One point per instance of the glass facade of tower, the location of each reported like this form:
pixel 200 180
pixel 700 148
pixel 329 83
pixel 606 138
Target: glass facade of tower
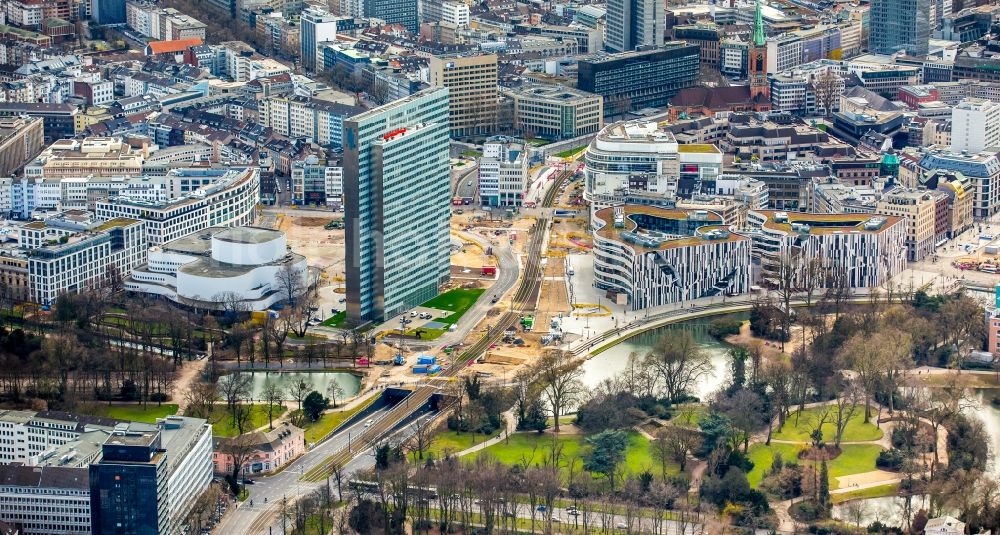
pixel 900 25
pixel 396 187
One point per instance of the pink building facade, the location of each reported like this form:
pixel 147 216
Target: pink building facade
pixel 274 449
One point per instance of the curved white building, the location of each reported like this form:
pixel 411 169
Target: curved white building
pixel 639 156
pixel 210 197
pixel 199 269
pixel 652 256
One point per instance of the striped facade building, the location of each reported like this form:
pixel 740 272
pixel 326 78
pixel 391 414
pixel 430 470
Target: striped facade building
pixel 650 256
pixel 862 250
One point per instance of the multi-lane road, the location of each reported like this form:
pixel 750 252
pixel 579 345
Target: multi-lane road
pixel 313 468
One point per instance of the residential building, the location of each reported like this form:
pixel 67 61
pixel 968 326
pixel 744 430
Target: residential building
pixel 20 140
pixel 632 24
pixel 271 451
pixel 641 79
pixel 80 260
pixel 316 26
pixel 503 173
pixel 402 12
pixel 397 188
pixel 50 500
pixel 47 488
pixel 752 139
pixel 556 112
pixel 211 267
pixel 983 169
pixel 946 525
pixel 59 120
pixel 107 11
pixel 318 182
pixel 318 121
pixel 707 36
pixel 859 250
pixel 917 210
pixel 975 125
pixel 648 256
pixel 472 91
pixel 228 200
pixel 900 25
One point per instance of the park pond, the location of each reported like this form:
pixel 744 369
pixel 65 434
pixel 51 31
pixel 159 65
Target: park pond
pixel 614 359
pixel 349 383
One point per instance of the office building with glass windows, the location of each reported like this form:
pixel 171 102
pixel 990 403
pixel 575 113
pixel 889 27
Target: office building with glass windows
pixel 900 25
pixel 635 80
pixel 396 188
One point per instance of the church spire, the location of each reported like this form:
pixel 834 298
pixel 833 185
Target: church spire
pixel 758 27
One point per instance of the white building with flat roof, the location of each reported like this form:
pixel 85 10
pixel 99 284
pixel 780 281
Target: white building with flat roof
pixel 975 125
pixel 208 269
pixel 45 487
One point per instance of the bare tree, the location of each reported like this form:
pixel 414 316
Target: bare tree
pixel 291 281
pixel 239 449
pixel 678 363
pixel 560 377
pixel 828 87
pixel 234 388
pixel 272 395
pixel 674 443
pixel 298 390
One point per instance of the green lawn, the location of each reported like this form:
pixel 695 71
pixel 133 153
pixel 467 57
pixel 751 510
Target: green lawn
pixel 856 430
pixel 457 301
pixel 222 422
pixel 688 414
pixel 571 152
pixel 336 320
pixel 133 413
pixel 468 153
pixel 316 431
pixel 762 457
pixel 853 459
pixel 535 449
pixel 454 442
pixel 889 489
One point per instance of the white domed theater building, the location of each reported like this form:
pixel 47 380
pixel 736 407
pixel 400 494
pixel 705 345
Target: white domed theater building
pixel 211 268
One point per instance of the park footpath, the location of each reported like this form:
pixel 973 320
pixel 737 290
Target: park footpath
pixel 853 482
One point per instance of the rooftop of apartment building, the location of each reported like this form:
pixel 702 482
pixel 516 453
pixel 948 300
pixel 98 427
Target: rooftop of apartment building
pixel 820 224
pixel 11 126
pixel 637 131
pixel 44 477
pixel 559 93
pixel 619 225
pixel 600 57
pixel 224 178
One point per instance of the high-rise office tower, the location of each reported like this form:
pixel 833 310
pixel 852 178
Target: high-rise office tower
pixel 634 23
pixel 402 12
pixel 317 26
pixel 900 25
pixel 396 188
pixel 128 487
pixel 472 91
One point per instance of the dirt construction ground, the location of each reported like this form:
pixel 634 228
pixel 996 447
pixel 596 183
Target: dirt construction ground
pixel 322 248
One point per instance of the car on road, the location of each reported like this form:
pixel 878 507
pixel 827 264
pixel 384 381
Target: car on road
pixel 540 509
pixel 621 525
pixel 343 299
pixel 369 422
pixel 248 482
pixel 556 519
